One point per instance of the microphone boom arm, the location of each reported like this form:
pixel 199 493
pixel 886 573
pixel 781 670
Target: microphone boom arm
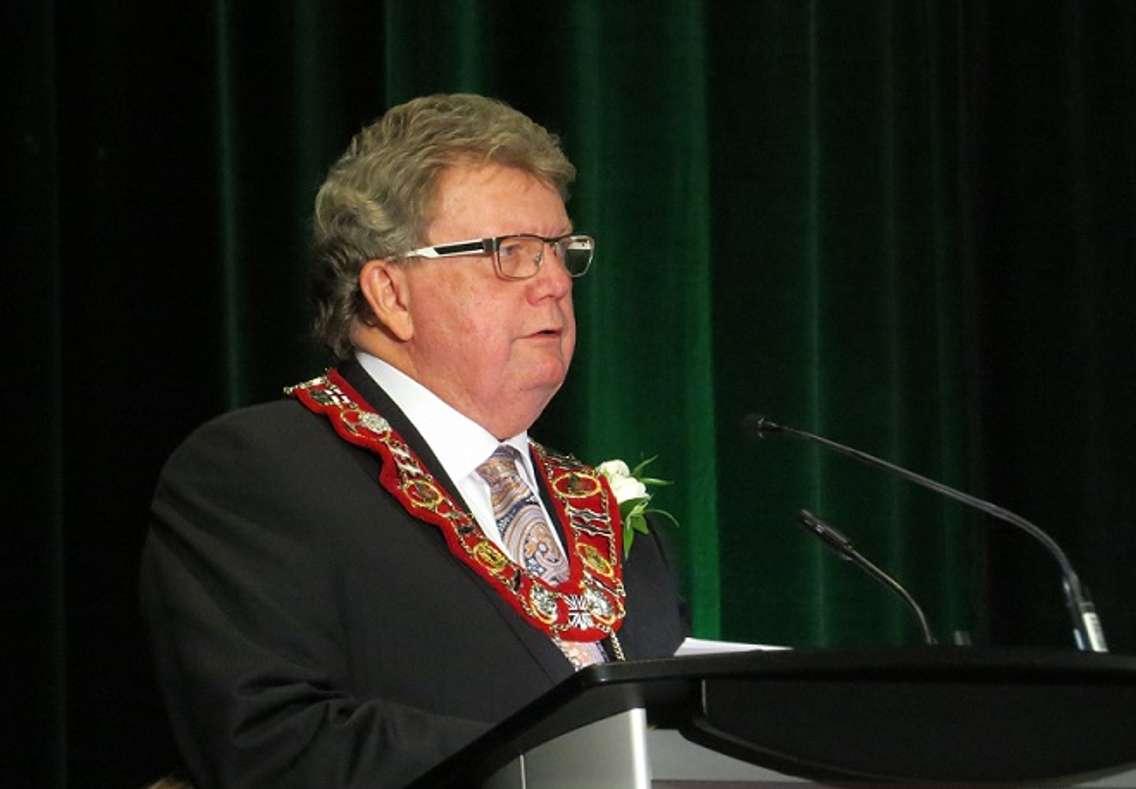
pixel 843 546
pixel 1087 629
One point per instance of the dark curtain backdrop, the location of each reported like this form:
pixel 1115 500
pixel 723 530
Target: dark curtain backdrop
pixel 908 225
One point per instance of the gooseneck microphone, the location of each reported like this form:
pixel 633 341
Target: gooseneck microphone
pixel 843 547
pixel 1087 630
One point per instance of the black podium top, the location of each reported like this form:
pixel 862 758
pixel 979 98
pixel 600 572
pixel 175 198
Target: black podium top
pixel 927 714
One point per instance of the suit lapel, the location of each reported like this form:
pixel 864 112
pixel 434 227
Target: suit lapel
pixel 543 651
pixel 378 400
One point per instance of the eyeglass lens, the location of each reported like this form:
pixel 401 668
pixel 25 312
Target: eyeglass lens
pixel 520 256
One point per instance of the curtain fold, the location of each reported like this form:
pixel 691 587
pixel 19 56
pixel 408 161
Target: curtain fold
pixel 32 581
pixel 642 383
pixel 231 253
pixel 909 226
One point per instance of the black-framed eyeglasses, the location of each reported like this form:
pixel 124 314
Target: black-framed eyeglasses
pixel 519 256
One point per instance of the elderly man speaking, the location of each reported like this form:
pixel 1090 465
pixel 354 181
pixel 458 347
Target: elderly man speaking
pixel 346 586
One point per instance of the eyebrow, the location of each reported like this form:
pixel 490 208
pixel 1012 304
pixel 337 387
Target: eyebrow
pixel 571 231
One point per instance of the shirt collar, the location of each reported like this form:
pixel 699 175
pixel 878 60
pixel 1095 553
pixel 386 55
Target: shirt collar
pixel 459 443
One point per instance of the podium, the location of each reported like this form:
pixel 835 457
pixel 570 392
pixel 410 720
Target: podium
pixel 925 715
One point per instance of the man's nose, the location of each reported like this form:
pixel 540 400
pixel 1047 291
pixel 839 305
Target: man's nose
pixel 552 278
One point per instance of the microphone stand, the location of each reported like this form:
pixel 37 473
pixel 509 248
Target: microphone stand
pixel 1087 630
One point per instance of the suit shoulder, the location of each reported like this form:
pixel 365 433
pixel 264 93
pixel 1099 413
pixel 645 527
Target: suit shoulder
pixel 262 421
pixel 276 431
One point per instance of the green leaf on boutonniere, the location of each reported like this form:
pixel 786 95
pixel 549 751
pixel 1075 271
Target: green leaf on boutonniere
pixel 635 472
pixel 633 510
pixel 632 505
pixel 665 514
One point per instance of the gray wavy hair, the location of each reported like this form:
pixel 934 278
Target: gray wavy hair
pixel 377 199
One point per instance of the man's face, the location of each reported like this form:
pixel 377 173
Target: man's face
pixel 497 350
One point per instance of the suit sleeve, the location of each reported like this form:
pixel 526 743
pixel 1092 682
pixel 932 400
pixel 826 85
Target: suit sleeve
pixel 241 589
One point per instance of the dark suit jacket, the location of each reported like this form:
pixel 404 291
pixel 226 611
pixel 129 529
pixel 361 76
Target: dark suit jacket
pixel 308 632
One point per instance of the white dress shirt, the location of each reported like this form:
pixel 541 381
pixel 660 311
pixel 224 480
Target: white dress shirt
pixel 459 443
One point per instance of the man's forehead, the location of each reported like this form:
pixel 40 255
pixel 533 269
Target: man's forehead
pixel 487 198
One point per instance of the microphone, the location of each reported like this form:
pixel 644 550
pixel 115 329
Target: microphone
pixel 1087 631
pixel 843 547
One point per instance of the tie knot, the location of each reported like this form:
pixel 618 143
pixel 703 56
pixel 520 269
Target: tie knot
pixel 502 464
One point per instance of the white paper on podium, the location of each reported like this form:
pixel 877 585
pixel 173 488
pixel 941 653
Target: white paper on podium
pixel 705 646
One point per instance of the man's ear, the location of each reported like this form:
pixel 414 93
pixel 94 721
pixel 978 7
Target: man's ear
pixel 384 286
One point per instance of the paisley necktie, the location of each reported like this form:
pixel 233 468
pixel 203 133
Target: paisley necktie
pixel 529 539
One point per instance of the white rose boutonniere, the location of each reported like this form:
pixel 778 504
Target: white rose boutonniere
pixel 629 487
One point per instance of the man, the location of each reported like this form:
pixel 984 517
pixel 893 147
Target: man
pixel 346 586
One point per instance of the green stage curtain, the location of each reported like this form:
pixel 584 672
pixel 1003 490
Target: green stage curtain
pixel 906 225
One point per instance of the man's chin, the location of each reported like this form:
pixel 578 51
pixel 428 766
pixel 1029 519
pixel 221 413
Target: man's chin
pixel 517 412
pixel 546 371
